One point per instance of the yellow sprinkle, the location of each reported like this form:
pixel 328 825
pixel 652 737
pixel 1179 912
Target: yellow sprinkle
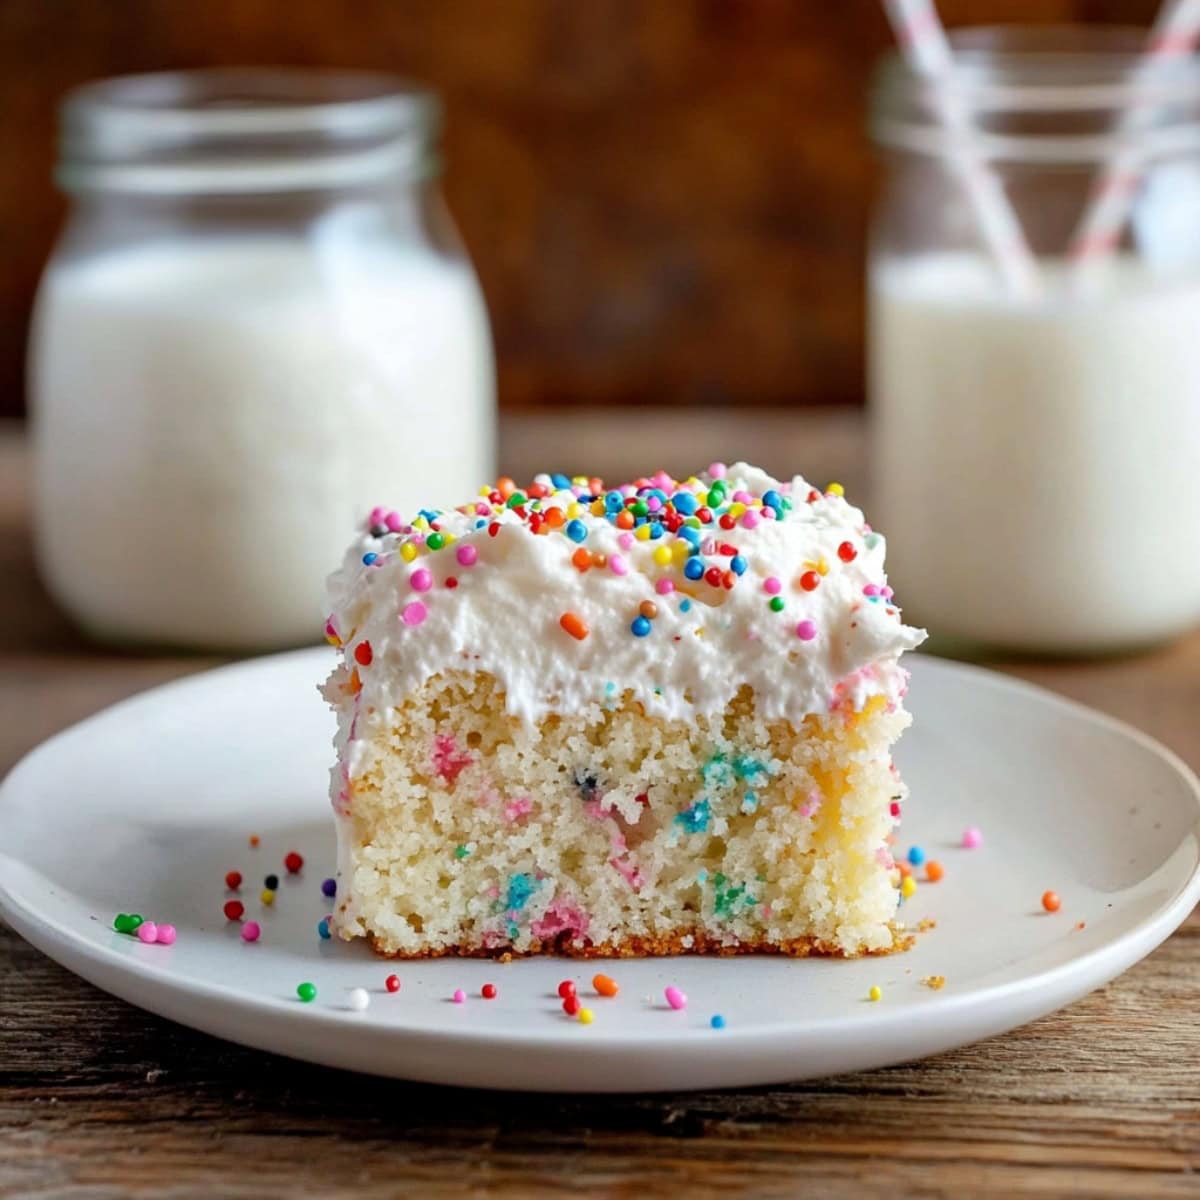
pixel 267 896
pixel 835 489
pixel 333 639
pixel 580 479
pixel 484 491
pixel 662 555
pixel 586 1016
pixel 736 509
pixel 574 509
pixel 408 552
pixel 876 993
pixel 447 538
pixel 420 523
pixel 680 549
pixel 597 508
pixel 642 533
pixel 908 886
pixel 822 566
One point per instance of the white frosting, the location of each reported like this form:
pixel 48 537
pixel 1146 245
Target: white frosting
pixel 704 644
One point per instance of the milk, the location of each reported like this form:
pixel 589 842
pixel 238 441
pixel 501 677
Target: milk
pixel 1037 465
pixel 212 418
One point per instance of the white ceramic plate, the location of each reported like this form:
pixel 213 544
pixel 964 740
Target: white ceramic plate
pixel 145 807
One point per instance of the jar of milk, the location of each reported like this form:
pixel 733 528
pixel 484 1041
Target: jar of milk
pixel 259 323
pixel 1036 406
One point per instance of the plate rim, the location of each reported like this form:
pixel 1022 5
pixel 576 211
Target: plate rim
pixel 69 949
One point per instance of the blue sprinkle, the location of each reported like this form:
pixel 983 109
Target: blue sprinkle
pixel 718 1021
pixel 329 887
pixel 656 531
pixel 685 503
pixel 772 499
pixel 614 502
pixel 702 875
pixel 871 541
pixel 323 929
pixel 693 568
pixel 737 564
pixel 640 627
pixel 520 888
pixel 480 522
pixel 685 606
pixel 916 856
pixel 560 481
pixel 689 534
pixel 430 514
pixel 369 558
pixel 695 818
pixel 576 530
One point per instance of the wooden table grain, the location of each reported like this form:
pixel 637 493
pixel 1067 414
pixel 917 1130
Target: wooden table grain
pixel 100 1100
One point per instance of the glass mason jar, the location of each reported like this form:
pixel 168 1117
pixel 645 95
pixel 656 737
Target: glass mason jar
pixel 1036 418
pixel 258 323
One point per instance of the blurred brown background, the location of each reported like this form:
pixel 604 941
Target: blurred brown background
pixel 666 199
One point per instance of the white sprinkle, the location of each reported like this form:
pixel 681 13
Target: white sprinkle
pixel 358 999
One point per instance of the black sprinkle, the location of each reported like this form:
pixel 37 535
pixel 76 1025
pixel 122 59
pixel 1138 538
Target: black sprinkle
pixel 271 882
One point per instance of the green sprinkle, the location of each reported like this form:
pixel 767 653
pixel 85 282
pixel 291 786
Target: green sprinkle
pixel 127 922
pixel 640 508
pixel 307 992
pixel 435 541
pixel 461 852
pixel 776 604
pixel 516 500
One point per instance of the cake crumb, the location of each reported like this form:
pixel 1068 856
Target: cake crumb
pixel 926 924
pixel 935 983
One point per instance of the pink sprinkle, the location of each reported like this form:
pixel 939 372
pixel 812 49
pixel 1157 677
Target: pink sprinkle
pixel 625 541
pixel 653 503
pixel 717 470
pixel 467 555
pixel 617 565
pixel 377 515
pixel 420 580
pixel 414 613
pixel 972 838
pixel 147 932
pixel 329 629
pixel 886 592
pixel 251 931
pixel 806 630
pixel 675 998
pixel 742 497
pixel 894 808
pixel 514 810
pixel 750 519
pixel 460 997
pixel 664 587
pixel 871 589
pixel 772 586
pixel 394 522
pixel 481 509
pixel 166 935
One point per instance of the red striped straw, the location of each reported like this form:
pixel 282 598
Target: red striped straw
pixel 926 49
pixel 1173 36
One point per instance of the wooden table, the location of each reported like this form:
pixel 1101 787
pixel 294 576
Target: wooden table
pixel 99 1100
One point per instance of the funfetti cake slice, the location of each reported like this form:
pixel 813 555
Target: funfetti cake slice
pixel 652 719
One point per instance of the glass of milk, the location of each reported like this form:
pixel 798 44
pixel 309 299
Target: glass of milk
pixel 1036 452
pixel 258 324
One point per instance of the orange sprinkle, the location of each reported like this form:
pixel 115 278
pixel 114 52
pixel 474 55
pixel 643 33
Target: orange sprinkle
pixel 904 868
pixel 574 625
pixel 605 985
pixel 254 840
pixel 598 559
pixel 648 609
pixel 355 684
pixel 933 870
pixel 581 559
pixel 505 486
pixel 624 519
pixel 1051 902
pixel 553 517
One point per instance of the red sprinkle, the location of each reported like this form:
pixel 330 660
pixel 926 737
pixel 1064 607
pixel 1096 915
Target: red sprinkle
pixel 488 991
pixel 451 581
pixel 362 654
pixel 234 909
pixel 566 988
pixel 571 1004
pixel 392 983
pixel 810 581
pixel 293 862
pixel 493 529
pixel 713 576
pixel 847 552
pixel 233 880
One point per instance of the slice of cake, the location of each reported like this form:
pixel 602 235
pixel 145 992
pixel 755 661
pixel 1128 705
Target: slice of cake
pixel 652 719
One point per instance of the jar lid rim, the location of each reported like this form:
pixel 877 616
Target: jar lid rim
pixel 231 101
